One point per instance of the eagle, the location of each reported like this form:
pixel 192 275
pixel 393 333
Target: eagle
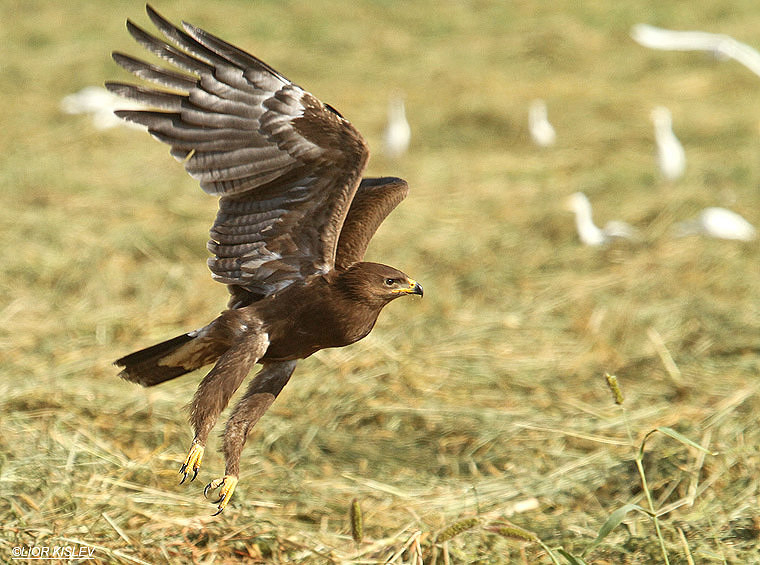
pixel 294 221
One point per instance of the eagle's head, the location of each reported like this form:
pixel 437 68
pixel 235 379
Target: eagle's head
pixel 375 284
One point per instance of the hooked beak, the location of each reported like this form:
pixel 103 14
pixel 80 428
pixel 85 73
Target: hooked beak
pixel 413 288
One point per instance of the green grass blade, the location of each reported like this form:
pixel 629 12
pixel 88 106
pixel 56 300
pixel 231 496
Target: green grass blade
pixel 683 439
pixel 613 522
pixel 571 559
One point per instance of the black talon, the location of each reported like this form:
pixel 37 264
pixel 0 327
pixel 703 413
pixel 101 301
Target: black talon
pixel 183 472
pixel 218 500
pixel 217 512
pixel 205 490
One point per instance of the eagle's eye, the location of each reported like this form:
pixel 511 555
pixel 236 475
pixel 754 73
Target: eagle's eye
pixel 390 282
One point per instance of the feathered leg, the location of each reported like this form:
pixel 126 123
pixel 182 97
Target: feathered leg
pixel 217 388
pixel 258 398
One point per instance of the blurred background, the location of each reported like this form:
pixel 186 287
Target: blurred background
pixel 483 405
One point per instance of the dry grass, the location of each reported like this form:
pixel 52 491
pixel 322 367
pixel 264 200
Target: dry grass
pixel 466 418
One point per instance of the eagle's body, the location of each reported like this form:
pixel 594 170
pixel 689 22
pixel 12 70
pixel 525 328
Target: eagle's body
pixel 295 218
pixel 332 310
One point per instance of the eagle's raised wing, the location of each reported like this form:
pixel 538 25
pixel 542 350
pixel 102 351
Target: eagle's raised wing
pixel 374 200
pixel 285 165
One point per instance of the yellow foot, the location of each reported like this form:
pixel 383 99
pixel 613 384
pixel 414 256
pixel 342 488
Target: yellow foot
pixel 193 461
pixel 226 486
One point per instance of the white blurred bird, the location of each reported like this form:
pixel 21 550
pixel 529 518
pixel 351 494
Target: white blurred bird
pixel 719 223
pixel 721 45
pixel 670 154
pixel 588 232
pixel 397 132
pixel 100 105
pixel 541 131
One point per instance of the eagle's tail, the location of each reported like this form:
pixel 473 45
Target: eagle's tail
pixel 170 359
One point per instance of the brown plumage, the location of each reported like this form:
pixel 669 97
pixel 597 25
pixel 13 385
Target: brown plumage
pixel 294 222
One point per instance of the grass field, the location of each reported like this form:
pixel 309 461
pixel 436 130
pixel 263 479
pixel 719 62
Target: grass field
pixel 473 426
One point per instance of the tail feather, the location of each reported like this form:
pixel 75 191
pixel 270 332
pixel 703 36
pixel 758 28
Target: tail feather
pixel 170 359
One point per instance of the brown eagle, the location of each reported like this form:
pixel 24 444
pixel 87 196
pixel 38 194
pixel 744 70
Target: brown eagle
pixel 295 218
